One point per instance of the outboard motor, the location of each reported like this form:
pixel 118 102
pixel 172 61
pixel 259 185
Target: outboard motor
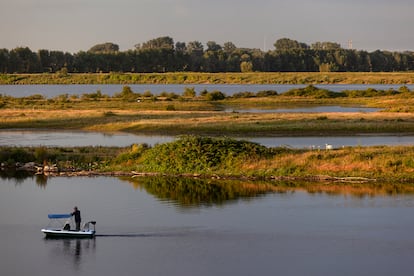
pixel 86 226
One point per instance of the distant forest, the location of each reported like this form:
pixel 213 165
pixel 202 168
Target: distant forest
pixel 163 55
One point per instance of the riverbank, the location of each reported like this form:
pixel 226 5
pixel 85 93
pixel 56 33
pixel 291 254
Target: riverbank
pixel 399 78
pixel 222 158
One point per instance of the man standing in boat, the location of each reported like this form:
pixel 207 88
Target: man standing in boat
pixel 77 215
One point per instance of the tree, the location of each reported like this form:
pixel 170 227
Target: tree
pixel 104 48
pixel 325 46
pixel 180 47
pixel 246 66
pixel 195 47
pixel 53 61
pixel 23 60
pixel 195 50
pixel 285 44
pixel 213 46
pixel 164 42
pixel 229 47
pixel 4 60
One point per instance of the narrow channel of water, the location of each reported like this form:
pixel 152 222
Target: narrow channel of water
pixel 50 91
pixel 80 138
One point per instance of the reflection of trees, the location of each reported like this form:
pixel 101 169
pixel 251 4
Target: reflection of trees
pixel 16 175
pixel 19 176
pixel 357 189
pixel 41 180
pixel 193 192
pixel 190 192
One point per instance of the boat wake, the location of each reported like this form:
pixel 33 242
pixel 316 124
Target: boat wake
pixel 140 235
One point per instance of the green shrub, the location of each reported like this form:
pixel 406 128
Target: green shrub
pixel 215 96
pixel 194 154
pixel 314 92
pixel 266 93
pixel 170 107
pixel 12 155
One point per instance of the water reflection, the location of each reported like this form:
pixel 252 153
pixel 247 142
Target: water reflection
pixel 19 176
pixel 354 189
pixel 70 251
pixel 76 138
pixel 198 192
pixel 188 192
pixel 14 174
pixel 292 233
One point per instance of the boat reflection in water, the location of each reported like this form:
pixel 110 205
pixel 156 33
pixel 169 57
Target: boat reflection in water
pixel 70 251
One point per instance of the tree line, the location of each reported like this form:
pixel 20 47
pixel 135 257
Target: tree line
pixel 163 55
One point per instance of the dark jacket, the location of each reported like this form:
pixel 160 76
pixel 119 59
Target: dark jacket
pixel 77 215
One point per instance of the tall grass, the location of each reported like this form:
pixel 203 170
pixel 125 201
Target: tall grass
pixel 224 156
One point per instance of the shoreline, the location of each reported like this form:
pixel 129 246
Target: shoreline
pixel 376 164
pixel 134 174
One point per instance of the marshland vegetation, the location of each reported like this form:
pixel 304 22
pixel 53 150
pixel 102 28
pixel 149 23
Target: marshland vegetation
pixel 202 115
pixel 188 113
pixel 197 156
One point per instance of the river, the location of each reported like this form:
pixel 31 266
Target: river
pixel 83 138
pixel 160 227
pixel 52 90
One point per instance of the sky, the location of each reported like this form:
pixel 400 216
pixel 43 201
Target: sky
pixel 77 25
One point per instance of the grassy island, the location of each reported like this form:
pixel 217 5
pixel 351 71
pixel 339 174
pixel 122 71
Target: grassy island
pixel 225 158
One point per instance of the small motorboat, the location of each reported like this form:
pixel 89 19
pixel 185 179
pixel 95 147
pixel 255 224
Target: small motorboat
pixel 62 226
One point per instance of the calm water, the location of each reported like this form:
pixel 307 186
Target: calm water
pixel 76 138
pixel 79 138
pixel 229 89
pixel 158 229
